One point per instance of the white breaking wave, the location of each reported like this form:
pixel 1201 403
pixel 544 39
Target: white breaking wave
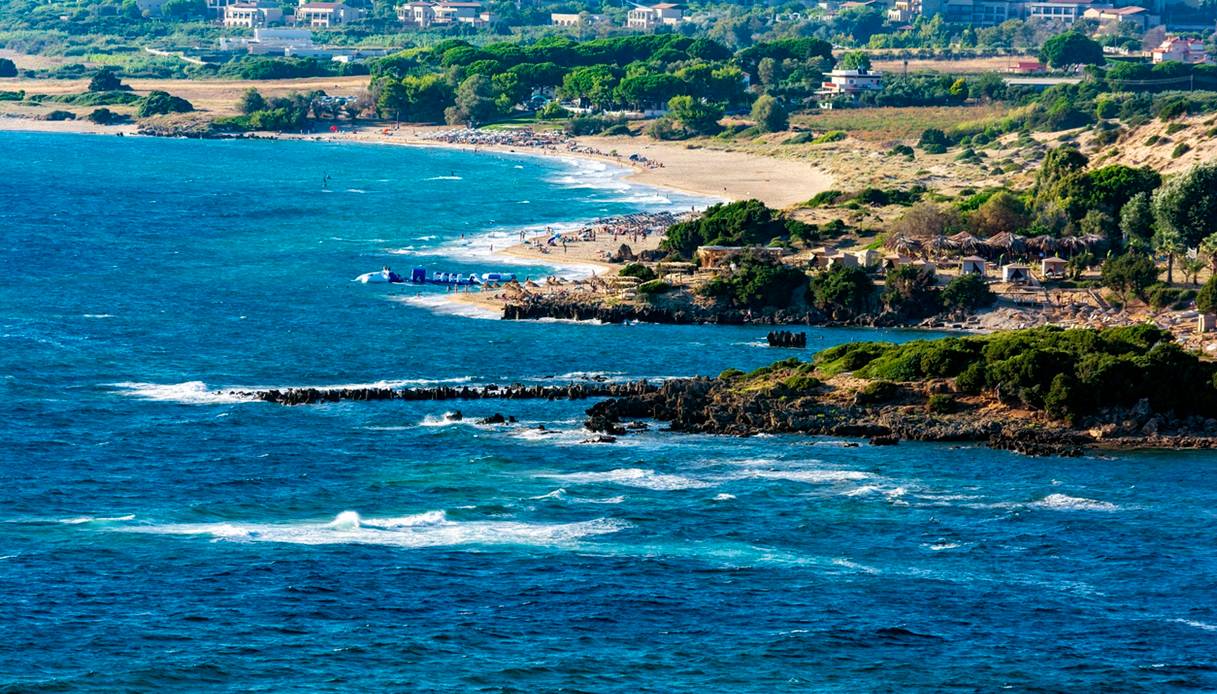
pixel 186 393
pixel 98 315
pixel 810 476
pixel 440 421
pixel 561 495
pixel 446 304
pixel 444 178
pixel 1062 502
pixel 1204 626
pixel 96 519
pixel 723 497
pixel 430 529
pixel 199 393
pixel 632 477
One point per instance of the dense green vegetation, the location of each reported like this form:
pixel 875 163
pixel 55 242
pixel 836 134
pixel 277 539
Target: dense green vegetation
pixel 757 281
pixel 1068 373
pixel 742 223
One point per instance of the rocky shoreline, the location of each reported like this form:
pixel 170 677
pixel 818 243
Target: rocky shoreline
pixel 712 406
pixel 541 307
pixel 515 391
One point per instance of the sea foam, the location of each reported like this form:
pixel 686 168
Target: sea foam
pixel 1062 502
pixel 186 393
pixel 632 477
pixel 429 529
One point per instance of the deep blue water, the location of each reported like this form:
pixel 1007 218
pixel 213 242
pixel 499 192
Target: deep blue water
pixel 155 536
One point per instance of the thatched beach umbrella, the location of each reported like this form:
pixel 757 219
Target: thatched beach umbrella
pixel 903 245
pixel 965 242
pixel 941 245
pixel 1006 243
pixel 1071 245
pixel 1043 244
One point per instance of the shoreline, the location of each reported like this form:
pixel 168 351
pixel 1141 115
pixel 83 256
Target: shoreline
pixel 691 171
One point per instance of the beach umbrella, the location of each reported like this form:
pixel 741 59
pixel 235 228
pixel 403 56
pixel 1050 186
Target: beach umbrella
pixel 903 245
pixel 1043 244
pixel 965 242
pixel 941 245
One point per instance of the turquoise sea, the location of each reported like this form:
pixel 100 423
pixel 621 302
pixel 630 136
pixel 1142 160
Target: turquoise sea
pixel 155 536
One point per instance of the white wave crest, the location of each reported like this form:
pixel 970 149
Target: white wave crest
pixel 1203 626
pixel 633 477
pixel 810 476
pixel 186 393
pixel 447 304
pixel 444 420
pixel 430 529
pixel 1062 502
pixel 80 520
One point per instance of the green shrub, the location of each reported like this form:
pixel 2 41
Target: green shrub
pixel 159 103
pixel 1180 149
pixel 848 357
pixel 940 403
pixel 654 287
pixel 758 281
pixel 638 270
pixel 1162 296
pixel 877 391
pixel 1206 298
pixel 824 197
pixel 841 292
pixel 967 293
pixel 552 111
pixel 830 136
pixel 60 115
pixel 799 138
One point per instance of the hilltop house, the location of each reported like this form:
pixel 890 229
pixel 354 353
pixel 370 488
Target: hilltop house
pixel 253 15
pixel 845 86
pixel 1065 11
pixel 570 19
pixel 326 14
pixel 1181 50
pixel 1138 17
pixel 424 14
pixel 665 13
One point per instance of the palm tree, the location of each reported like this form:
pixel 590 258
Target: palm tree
pixel 1168 242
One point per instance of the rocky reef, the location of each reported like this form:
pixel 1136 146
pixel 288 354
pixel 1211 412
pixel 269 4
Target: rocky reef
pixel 719 406
pixel 572 391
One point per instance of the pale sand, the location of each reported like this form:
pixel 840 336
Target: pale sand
pixel 779 183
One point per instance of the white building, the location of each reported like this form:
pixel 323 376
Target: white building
pixel 252 15
pixel 423 14
pixel 326 14
pixel 1064 11
pixel 1115 16
pixel 586 19
pixel 665 13
pixel 1181 50
pixel 845 86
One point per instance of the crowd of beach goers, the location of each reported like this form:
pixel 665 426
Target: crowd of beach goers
pixel 641 229
pixel 555 141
